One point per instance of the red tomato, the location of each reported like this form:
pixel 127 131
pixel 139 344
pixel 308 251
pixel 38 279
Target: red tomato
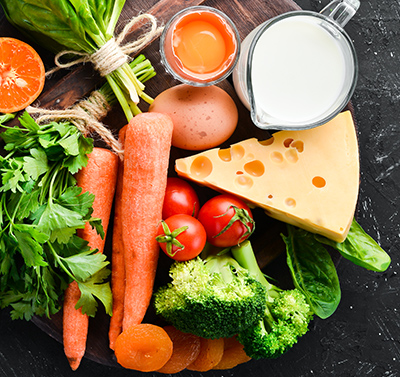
pixel 181 237
pixel 180 197
pixel 227 220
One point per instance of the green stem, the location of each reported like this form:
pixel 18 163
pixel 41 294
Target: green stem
pixel 116 12
pixel 4 206
pixel 120 97
pixel 244 255
pixel 60 261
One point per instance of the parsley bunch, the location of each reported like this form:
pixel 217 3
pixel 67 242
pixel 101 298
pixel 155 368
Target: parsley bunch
pixel 41 207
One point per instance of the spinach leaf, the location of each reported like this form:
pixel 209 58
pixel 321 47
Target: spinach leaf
pixel 313 271
pixel 360 249
pixel 52 23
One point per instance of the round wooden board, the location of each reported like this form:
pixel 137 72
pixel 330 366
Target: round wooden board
pixel 266 240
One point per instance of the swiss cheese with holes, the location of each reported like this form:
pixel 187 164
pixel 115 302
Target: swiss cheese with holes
pixel 308 178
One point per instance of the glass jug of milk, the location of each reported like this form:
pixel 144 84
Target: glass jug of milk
pixel 299 69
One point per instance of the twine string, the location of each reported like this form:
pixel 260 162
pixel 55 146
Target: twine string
pixel 112 54
pixel 86 116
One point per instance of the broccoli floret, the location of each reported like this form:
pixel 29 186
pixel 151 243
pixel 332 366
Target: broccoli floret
pixel 285 319
pixel 212 297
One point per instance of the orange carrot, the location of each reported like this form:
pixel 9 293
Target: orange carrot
pixel 144 347
pixel 117 258
pixel 186 349
pixel 146 158
pixel 211 351
pixel 99 178
pixel 75 326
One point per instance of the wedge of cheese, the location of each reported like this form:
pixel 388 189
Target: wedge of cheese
pixel 308 178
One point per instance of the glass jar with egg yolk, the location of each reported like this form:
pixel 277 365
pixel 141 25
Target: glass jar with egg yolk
pixel 200 46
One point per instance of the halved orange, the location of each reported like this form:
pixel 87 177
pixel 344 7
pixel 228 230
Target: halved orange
pixel 22 75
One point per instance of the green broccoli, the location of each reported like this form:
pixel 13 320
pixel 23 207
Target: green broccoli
pixel 212 297
pixel 286 316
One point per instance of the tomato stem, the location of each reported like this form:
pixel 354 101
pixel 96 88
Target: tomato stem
pixel 241 215
pixel 170 238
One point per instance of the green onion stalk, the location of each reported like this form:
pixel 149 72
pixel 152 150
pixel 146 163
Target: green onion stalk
pixel 80 27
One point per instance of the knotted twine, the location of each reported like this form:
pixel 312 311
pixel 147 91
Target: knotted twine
pixel 86 114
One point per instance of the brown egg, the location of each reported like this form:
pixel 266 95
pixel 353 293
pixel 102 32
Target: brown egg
pixel 203 117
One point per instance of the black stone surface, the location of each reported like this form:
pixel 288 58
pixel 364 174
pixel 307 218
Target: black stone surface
pixel 363 337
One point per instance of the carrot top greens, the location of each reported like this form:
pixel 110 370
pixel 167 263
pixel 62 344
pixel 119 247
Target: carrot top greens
pixel 41 207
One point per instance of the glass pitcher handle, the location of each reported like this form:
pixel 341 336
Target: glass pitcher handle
pixel 341 11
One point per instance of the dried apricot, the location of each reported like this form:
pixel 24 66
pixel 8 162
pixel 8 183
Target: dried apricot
pixel 233 354
pixel 211 351
pixel 186 348
pixel 144 347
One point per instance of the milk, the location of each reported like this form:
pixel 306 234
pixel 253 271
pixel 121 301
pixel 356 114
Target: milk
pixel 301 71
pixel 298 70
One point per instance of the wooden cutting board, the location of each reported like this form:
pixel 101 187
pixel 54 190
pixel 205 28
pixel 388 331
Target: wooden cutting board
pixel 64 89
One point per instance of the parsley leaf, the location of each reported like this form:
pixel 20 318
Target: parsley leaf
pixel 41 209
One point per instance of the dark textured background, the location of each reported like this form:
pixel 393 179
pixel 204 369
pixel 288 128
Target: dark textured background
pixel 363 337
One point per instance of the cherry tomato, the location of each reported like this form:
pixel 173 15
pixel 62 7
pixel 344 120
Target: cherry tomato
pixel 181 237
pixel 180 198
pixel 227 220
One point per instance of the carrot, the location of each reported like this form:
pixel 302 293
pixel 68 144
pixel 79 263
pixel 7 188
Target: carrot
pixel 144 347
pixel 75 326
pixel 99 178
pixel 233 354
pixel 186 349
pixel 211 351
pixel 146 158
pixel 117 258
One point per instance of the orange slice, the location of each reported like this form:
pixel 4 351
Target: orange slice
pixel 22 75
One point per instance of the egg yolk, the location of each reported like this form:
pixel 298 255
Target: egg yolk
pixel 200 46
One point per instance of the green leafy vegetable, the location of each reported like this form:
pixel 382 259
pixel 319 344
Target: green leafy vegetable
pixel 40 210
pixel 313 271
pixel 4 118
pixel 361 249
pixel 83 26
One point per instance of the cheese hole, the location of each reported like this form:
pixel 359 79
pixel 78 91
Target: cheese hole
pixel 318 182
pixel 290 202
pixel 270 196
pixel 255 168
pixel 276 157
pixel 291 155
pixel 267 142
pixel 299 145
pixel 237 152
pixel 287 142
pixel 244 182
pixel 201 167
pixel 239 172
pixel 225 154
